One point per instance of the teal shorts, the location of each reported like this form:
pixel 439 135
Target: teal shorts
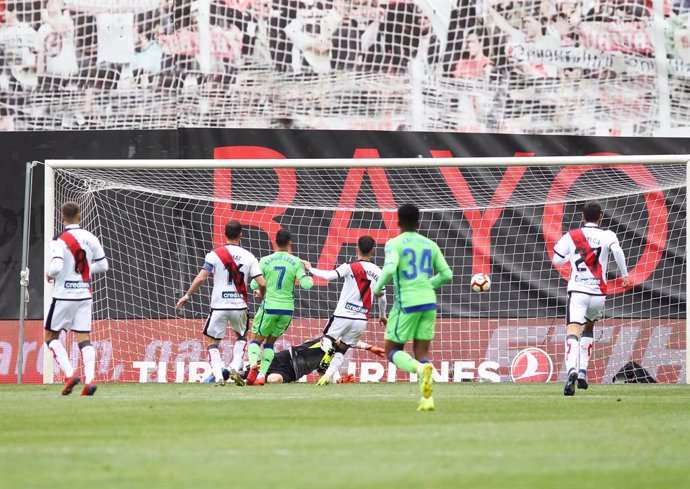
pixel 409 326
pixel 266 324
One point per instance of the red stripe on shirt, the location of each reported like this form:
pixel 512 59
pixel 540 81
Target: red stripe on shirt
pixel 363 284
pixel 581 244
pixel 231 266
pixel 81 262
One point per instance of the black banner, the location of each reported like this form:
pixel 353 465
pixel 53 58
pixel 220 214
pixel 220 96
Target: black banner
pixel 533 293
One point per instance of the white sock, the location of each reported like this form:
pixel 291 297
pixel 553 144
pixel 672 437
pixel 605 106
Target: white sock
pixel 586 346
pixel 216 362
pixel 335 364
pixel 238 350
pixel 572 353
pixel 60 354
pixel 88 356
pixel 326 344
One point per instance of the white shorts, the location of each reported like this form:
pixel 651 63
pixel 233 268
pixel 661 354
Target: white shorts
pixel 70 315
pixel 217 322
pixel 583 307
pixel 348 331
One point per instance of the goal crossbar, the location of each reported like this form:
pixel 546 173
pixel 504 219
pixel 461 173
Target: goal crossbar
pixel 419 162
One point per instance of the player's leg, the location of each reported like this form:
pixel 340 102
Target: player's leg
pixel 594 312
pixel 88 356
pixel 424 334
pixel 58 318
pixel 274 379
pixel 260 328
pixel 575 317
pixel 397 334
pixel 330 335
pixel 214 330
pixel 239 322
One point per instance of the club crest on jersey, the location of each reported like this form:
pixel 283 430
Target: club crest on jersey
pixel 77 284
pixel 531 365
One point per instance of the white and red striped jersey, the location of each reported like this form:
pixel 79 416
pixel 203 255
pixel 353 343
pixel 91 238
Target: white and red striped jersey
pixel 587 250
pixel 233 268
pixel 358 288
pixel 75 255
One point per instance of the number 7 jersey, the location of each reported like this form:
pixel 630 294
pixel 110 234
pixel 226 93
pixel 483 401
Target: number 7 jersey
pixel 587 249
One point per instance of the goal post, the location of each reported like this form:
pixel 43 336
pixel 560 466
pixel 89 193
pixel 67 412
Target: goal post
pixel 500 216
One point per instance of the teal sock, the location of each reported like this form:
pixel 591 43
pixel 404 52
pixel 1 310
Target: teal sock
pixel 405 362
pixel 253 353
pixel 266 359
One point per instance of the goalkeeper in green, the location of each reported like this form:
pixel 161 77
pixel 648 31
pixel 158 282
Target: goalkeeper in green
pixel 417 267
pixel 280 270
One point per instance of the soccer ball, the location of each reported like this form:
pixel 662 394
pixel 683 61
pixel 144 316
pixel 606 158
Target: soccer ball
pixel 480 282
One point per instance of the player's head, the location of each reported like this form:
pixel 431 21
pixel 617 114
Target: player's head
pixel 365 246
pixel 591 212
pixel 408 217
pixel 71 214
pixel 233 230
pixel 283 239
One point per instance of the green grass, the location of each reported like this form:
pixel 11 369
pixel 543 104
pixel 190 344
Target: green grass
pixel 349 436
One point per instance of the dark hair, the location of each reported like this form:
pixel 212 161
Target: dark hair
pixel 70 210
pixel 233 229
pixel 408 216
pixel 365 244
pixel 283 237
pixel 591 211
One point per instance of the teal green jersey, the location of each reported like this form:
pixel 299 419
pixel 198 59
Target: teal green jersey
pixel 418 268
pixel 280 270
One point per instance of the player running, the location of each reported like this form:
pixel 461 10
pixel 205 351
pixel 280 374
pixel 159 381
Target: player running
pixel 587 250
pixel 349 320
pixel 75 255
pixel 295 362
pixel 233 268
pixel 280 269
pixel 417 267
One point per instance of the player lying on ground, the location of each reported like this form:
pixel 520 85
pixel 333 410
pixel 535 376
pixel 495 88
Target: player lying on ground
pixel 295 362
pixel 75 255
pixel 280 269
pixel 233 267
pixel 349 320
pixel 587 250
pixel 417 267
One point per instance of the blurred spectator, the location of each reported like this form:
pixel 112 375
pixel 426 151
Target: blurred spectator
pixel 402 30
pixel 473 62
pixel 57 53
pixel 148 56
pixel 358 43
pixel 532 36
pixel 18 43
pixel 311 34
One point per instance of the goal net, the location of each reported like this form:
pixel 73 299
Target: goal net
pixel 157 224
pixel 610 67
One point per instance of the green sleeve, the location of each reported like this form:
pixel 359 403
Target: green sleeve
pixel 305 281
pixel 443 272
pixel 389 267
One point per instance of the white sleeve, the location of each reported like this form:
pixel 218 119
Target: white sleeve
pixel 57 258
pixel 331 274
pixel 253 269
pixel 561 252
pixel 100 262
pixel 210 262
pixel 619 256
pixel 383 303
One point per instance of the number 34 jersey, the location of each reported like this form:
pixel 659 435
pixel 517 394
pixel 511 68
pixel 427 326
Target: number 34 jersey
pixel 417 259
pixel 587 249
pixel 233 268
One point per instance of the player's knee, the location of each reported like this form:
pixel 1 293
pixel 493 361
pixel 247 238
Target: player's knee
pixel 274 379
pixel 392 353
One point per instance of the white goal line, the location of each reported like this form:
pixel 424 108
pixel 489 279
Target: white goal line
pixel 419 162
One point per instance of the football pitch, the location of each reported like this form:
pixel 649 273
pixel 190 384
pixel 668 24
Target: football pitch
pixel 345 436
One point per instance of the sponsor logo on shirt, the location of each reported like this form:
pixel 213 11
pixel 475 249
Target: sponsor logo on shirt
pixel 588 281
pixel 232 295
pixel 355 308
pixel 77 284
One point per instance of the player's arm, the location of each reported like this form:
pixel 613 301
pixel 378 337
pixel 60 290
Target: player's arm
pixel 561 252
pixel 619 256
pixel 57 260
pixel 383 304
pixel 305 281
pixel 443 272
pixel 376 350
pixel 204 273
pixel 389 268
pixel 100 262
pixel 256 279
pixel 326 274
